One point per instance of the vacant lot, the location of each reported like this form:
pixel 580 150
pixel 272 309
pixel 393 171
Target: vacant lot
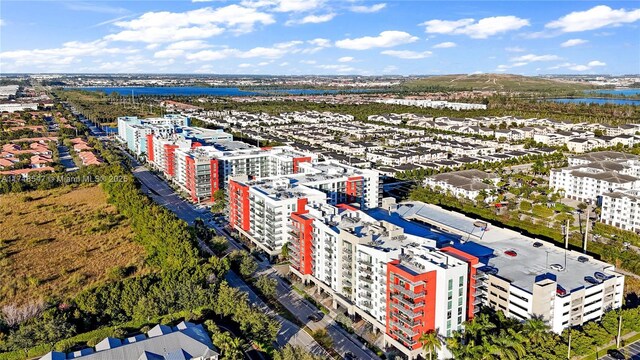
pixel 54 243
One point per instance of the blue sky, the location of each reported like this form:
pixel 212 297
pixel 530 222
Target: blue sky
pixel 320 37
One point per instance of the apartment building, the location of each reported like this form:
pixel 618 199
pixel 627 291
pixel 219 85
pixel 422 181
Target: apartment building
pixel 327 182
pixel 202 170
pixel 593 174
pixel 384 269
pixel 621 208
pixel 465 183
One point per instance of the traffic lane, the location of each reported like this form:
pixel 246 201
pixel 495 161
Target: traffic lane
pixel 343 342
pixel 289 333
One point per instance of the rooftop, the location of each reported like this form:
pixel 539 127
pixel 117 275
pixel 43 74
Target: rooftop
pixel 490 245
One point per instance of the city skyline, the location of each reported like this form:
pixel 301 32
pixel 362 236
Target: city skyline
pixel 285 37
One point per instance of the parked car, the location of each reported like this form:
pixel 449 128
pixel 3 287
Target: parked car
pixel 583 259
pixel 537 244
pixel 349 356
pixel 315 317
pixel 616 354
pixel 591 280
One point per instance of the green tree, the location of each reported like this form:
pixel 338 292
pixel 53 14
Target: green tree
pixel 248 266
pixel 290 352
pixel 431 343
pixel 230 347
pixel 219 202
pixel 219 245
pixel 266 285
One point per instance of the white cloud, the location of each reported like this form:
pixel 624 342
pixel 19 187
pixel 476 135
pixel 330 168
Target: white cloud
pixel 407 54
pixel 211 55
pixel 284 5
pixel 312 19
pixel 168 54
pixel 533 57
pixel 595 18
pixel 445 45
pixel 579 67
pixel 514 49
pixel 596 63
pixel 481 29
pixel 2 22
pixel 188 45
pixel 284 63
pixel 573 42
pixel 164 26
pixel 308 62
pixel 320 42
pixel 385 39
pixel 70 52
pixel 345 59
pixel 368 9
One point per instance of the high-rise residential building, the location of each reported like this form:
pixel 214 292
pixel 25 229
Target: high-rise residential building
pixel 267 202
pixel 412 268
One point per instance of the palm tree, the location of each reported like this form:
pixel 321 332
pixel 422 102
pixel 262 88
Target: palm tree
pixel 536 330
pixel 431 342
pixel 231 347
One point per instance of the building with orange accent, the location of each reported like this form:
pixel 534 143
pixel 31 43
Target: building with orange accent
pixel 273 200
pixel 383 269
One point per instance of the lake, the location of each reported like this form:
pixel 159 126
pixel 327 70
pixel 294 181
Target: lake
pixel 625 92
pixel 598 101
pixel 212 91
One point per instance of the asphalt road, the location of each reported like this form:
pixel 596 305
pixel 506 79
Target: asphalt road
pixel 65 159
pixel 162 194
pixel 344 342
pixel 631 351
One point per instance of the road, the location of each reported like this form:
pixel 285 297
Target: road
pixel 343 342
pixel 631 351
pixel 65 159
pixel 162 194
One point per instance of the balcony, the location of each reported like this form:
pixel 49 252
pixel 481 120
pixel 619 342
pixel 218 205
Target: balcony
pixel 412 305
pixel 366 270
pixel 407 341
pixel 366 295
pixel 408 323
pixel 409 293
pixel 366 279
pixel 404 329
pixel 407 312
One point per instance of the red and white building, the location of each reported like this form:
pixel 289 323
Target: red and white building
pixel 384 269
pixel 262 209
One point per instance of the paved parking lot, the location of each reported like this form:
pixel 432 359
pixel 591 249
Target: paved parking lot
pixel 631 351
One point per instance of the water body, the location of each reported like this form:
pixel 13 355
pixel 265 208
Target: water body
pixel 597 101
pixel 625 92
pixel 212 91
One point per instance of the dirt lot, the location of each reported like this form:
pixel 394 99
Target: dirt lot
pixel 54 243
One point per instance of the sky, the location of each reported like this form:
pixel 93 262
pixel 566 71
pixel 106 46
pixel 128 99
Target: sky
pixel 323 37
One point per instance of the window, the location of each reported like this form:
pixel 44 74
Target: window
pixel 450 284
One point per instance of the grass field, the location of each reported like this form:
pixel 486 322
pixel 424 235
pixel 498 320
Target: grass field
pixel 54 243
pixel 497 82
